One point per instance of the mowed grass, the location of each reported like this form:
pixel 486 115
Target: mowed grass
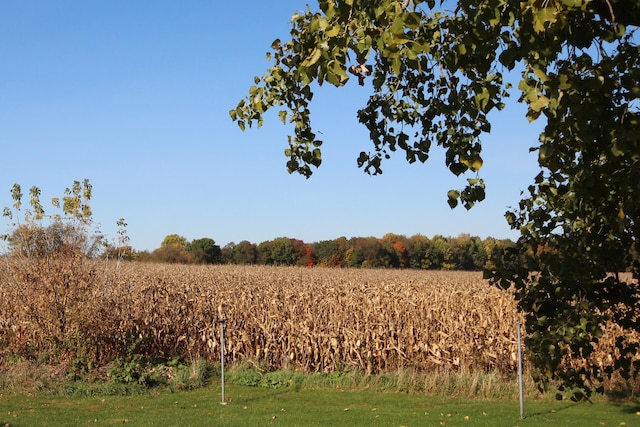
pixel 258 406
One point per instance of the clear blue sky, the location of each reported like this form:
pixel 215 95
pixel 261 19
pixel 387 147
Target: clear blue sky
pixel 134 96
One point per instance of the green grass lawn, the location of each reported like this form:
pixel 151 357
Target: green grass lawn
pixel 258 406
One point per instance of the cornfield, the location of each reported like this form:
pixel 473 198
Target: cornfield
pixel 312 319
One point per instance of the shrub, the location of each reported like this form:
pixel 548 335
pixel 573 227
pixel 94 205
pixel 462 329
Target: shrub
pixel 50 277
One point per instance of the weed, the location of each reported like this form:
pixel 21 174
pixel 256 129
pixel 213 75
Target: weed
pixel 188 377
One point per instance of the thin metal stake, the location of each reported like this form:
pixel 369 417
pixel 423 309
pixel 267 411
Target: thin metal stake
pixel 520 373
pixel 223 402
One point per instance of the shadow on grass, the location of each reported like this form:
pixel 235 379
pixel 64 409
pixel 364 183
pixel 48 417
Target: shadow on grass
pixel 627 408
pixel 541 413
pixel 272 393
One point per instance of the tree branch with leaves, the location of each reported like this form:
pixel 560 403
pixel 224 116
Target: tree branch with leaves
pixel 436 69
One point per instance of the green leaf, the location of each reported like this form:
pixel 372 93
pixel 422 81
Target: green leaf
pixel 412 20
pixel 453 196
pixel 540 102
pixel 482 99
pixel 476 163
pixel 458 168
pixel 312 58
pixel 532 115
pixel 546 151
pixel 332 31
pixel 400 38
pixel 541 75
pixel 336 74
pixel 362 159
pixel 316 157
pixel 544 17
pixel 508 56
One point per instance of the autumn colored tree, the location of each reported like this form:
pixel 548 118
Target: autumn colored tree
pixel 338 258
pixel 401 254
pixel 174 240
pixel 173 250
pixel 304 253
pixel 327 251
pixel 399 244
pixel 309 258
pixel 390 251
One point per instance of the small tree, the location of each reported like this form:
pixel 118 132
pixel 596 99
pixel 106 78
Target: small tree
pixel 175 240
pixel 50 272
pixel 38 234
pixel 119 249
pixel 173 250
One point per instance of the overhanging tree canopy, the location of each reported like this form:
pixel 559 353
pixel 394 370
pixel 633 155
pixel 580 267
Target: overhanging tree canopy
pixel 437 70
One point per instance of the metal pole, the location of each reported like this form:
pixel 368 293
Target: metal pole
pixel 223 402
pixel 520 373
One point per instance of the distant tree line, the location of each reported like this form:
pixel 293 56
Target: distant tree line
pixel 464 252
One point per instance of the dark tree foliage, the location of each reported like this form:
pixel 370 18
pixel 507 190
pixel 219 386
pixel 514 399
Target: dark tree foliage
pixel 244 252
pixel 204 251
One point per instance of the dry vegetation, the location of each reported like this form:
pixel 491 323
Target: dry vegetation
pixel 312 319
